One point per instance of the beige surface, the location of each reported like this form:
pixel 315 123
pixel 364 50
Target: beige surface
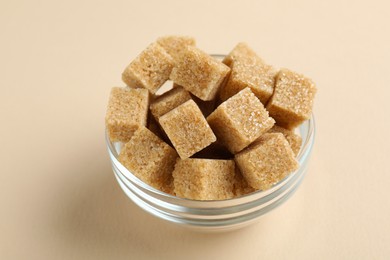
pixel 58 61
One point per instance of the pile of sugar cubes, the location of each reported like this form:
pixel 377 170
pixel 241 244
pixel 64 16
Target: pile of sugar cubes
pixel 222 130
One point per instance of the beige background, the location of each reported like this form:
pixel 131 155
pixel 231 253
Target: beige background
pixel 58 61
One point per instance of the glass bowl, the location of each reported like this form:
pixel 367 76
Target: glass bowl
pixel 213 215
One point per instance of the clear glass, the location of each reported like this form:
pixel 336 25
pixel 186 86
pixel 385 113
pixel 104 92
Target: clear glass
pixel 213 215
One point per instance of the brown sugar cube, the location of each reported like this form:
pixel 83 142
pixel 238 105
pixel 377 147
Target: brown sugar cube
pixel 240 120
pixel 240 185
pixel 258 76
pixel 267 161
pixel 239 53
pixel 204 179
pixel 187 129
pixel 127 110
pixel 248 70
pixel 150 69
pixel 199 73
pixel 149 158
pixel 174 45
pixel 292 138
pixel 292 101
pixel 168 101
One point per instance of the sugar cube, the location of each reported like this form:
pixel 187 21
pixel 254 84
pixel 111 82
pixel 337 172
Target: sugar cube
pixel 127 110
pixel 258 76
pixel 174 45
pixel 149 158
pixel 199 73
pixel 204 179
pixel 292 138
pixel 168 101
pixel 292 101
pixel 150 69
pixel 187 129
pixel 240 120
pixel 240 185
pixel 239 53
pixel 267 161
